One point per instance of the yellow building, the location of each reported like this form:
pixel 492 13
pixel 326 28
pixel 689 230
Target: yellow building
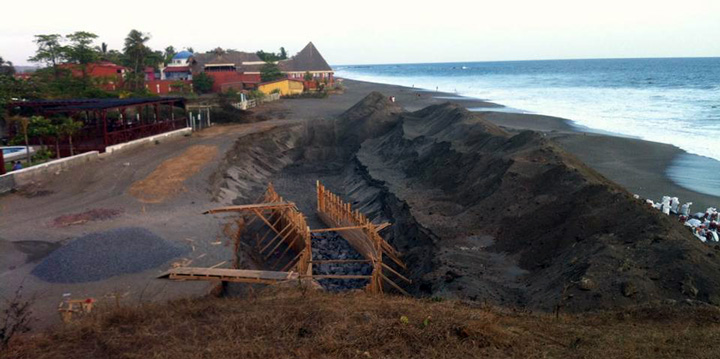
pixel 285 86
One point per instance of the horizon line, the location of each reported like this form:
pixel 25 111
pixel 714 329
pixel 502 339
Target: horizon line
pixel 531 60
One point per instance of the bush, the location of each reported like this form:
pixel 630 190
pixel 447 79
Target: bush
pixel 256 94
pixel 203 83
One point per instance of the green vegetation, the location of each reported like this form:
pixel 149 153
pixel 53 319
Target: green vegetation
pixel 270 72
pixel 203 83
pixel 136 53
pixel 271 56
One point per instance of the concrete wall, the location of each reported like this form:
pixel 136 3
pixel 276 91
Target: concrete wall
pixel 47 170
pixel 146 141
pixel 7 183
pixel 42 172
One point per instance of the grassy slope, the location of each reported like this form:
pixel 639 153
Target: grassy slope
pixel 308 324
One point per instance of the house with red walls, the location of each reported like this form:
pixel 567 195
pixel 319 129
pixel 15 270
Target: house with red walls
pixel 109 75
pixel 241 70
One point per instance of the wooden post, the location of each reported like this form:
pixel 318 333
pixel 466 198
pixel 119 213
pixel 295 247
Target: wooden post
pixel 105 133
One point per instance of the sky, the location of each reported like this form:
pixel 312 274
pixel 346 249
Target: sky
pixel 381 32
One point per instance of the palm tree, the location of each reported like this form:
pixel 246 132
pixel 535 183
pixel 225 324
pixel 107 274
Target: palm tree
pixel 136 52
pixel 68 128
pixel 24 124
pixel 169 53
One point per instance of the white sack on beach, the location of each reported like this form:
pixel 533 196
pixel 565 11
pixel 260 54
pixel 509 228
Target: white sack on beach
pixel 674 204
pixel 693 222
pixel 685 210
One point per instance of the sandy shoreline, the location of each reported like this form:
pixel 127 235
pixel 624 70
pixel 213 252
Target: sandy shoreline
pixel 639 166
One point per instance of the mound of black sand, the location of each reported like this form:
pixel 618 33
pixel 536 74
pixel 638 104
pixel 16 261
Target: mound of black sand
pixel 554 232
pixel 101 255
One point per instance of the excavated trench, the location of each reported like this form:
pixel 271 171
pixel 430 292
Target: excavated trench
pixel 477 213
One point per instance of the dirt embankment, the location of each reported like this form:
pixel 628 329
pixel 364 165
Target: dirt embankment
pixel 307 324
pixel 479 213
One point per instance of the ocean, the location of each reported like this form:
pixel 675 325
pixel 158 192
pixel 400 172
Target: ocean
pixel 667 100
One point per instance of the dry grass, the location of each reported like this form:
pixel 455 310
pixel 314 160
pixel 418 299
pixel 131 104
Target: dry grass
pixel 167 179
pixel 307 324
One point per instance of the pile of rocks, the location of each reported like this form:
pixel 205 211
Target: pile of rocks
pixel 101 255
pixel 329 246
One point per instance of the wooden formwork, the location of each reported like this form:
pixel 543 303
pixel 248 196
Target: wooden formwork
pixel 285 225
pixel 362 235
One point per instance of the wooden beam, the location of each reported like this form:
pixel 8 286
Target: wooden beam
pixel 396 273
pixel 394 285
pixel 292 261
pixel 252 207
pixel 285 252
pixel 342 261
pixel 279 234
pixel 338 276
pixel 337 229
pixel 284 239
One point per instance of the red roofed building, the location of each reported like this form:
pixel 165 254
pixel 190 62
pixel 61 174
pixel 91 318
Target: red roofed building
pixel 112 75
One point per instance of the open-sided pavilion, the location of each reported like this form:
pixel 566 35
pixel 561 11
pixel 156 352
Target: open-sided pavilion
pixel 106 122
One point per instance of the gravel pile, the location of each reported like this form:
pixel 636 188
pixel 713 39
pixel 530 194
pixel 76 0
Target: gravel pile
pixel 102 255
pixel 329 245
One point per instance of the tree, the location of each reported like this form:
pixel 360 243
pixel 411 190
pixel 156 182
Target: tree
pixel 308 76
pixel 80 50
pixel 283 54
pixel 40 127
pixel 6 67
pixel 190 50
pixel 169 54
pixel 102 49
pixel 270 71
pixel 68 127
pixel 136 53
pixel 24 123
pixel 49 50
pixel 203 83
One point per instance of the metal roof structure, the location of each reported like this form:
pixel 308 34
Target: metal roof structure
pixel 74 105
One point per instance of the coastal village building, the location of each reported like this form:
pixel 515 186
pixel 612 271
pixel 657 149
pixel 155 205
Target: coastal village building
pixel 308 60
pixel 109 75
pixel 178 68
pixel 283 86
pixel 229 70
pixel 241 70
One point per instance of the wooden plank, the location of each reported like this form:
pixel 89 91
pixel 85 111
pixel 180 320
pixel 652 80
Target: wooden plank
pixel 394 285
pixel 336 229
pixel 292 261
pixel 339 276
pixel 279 234
pixel 229 273
pixel 396 273
pixel 341 261
pixel 284 239
pixel 252 207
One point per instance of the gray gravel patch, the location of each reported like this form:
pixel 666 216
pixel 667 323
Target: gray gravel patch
pixel 101 255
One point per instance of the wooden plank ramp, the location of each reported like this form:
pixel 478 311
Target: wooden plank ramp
pixel 229 275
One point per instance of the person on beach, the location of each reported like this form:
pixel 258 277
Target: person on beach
pixel 17 166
